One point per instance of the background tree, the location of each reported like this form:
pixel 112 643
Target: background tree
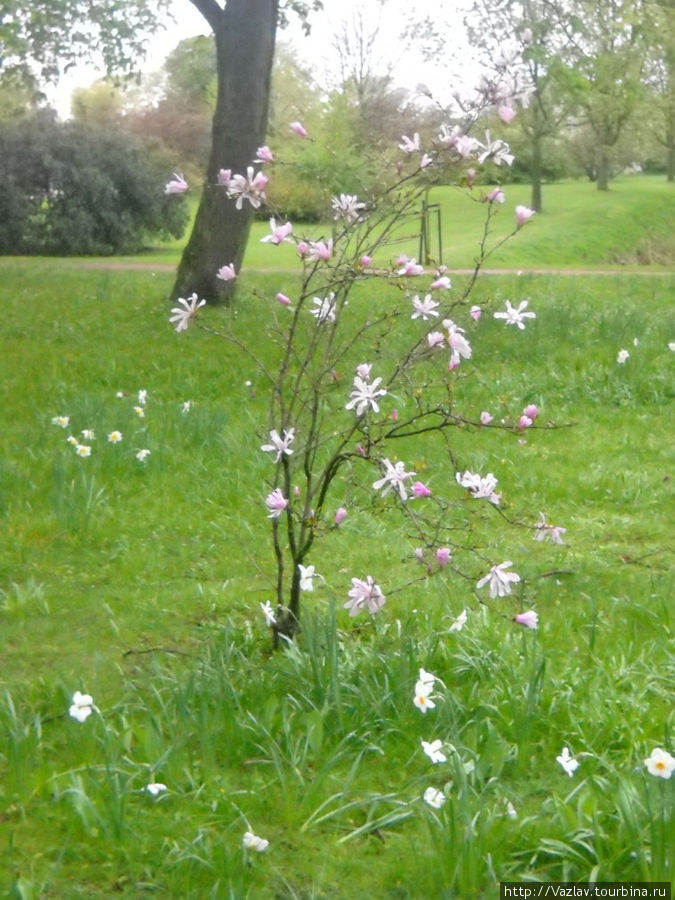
pixel 604 61
pixel 79 188
pixel 660 75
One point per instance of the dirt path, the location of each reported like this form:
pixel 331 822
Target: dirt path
pixel 112 265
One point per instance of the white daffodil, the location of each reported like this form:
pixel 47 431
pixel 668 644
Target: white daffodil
pixel 82 706
pixel 155 788
pixel 459 622
pixel 569 763
pixel 660 763
pixel 251 841
pixel 434 752
pixel 434 798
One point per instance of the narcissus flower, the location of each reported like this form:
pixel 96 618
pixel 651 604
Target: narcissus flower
pixel 251 841
pixel 364 595
pixel 459 622
pixel 433 751
pixel 529 619
pixel 115 437
pixel 569 763
pixel 183 314
pixel 307 576
pixel 276 503
pixel 622 356
pixel 88 434
pixel 83 449
pixel 268 613
pixel 143 454
pixel 423 696
pixel 499 579
pixel 434 798
pixel 82 706
pixel 155 788
pixel 660 763
pixel 61 421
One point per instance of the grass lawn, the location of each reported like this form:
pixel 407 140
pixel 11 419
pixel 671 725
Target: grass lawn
pixel 140 583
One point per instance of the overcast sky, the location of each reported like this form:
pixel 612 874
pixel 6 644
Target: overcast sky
pixel 392 16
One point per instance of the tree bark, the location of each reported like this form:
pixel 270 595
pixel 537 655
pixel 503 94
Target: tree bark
pixel 244 33
pixel 603 169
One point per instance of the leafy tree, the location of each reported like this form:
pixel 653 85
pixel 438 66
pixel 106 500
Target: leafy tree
pixel 660 75
pixel 244 31
pixel 74 188
pixel 98 104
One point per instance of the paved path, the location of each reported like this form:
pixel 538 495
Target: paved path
pixel 112 265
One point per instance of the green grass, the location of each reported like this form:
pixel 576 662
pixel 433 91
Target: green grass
pixel 141 582
pixel 631 226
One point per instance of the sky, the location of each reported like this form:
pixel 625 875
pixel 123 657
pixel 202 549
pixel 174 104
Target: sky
pixel 409 69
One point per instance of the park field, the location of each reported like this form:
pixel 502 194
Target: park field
pixel 140 582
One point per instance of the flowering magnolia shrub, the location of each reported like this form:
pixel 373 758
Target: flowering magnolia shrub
pixel 357 385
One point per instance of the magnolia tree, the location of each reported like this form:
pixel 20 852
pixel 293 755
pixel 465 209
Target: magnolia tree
pixel 358 384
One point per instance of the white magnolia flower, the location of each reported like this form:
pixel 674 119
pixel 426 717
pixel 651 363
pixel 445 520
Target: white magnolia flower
pixel 251 841
pixel 182 314
pixel 324 309
pixel 479 486
pixel 249 187
pixel 280 445
pixel 364 395
pixel 500 580
pixel 143 454
pixel 516 316
pixel 660 763
pixel 434 798
pixel 394 477
pixel 459 622
pixel 410 145
pixel 268 613
pixel 115 437
pixel 569 763
pixel 307 576
pixel 424 308
pixel 543 531
pixel 156 788
pixel 61 421
pixel 498 151
pixel 346 207
pixel 82 706
pixel 434 752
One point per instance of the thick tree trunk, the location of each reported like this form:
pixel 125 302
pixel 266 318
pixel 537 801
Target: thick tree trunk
pixel 603 169
pixel 244 33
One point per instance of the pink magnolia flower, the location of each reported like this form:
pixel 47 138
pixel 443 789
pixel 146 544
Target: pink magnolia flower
pixel 340 515
pixel 394 415
pixel 298 128
pixel 283 299
pixel 485 417
pixel 276 503
pixel 279 234
pixel 426 161
pixel 177 186
pixel 531 411
pixel 346 207
pixel 419 554
pixel 496 196
pixel 227 273
pixel 543 531
pixel 435 339
pixel 479 487
pixel 394 477
pixel 517 315
pixel 364 595
pixel 320 250
pixel 523 213
pixel 410 145
pixel 302 248
pixel 443 554
pixel 529 619
pixel 364 395
pixel 475 312
pixel 363 370
pixel 424 308
pixel 506 114
pixel 524 422
pixel 420 490
pixel 365 260
pixel 224 177
pixel 470 177
pixel 263 155
pixel 249 187
pixel 442 283
pixel 410 267
pixel 459 346
pixel 498 151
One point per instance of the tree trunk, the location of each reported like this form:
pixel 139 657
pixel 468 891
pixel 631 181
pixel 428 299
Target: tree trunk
pixel 535 172
pixel 244 33
pixel 603 169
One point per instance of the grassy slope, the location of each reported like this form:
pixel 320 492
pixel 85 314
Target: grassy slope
pixel 105 555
